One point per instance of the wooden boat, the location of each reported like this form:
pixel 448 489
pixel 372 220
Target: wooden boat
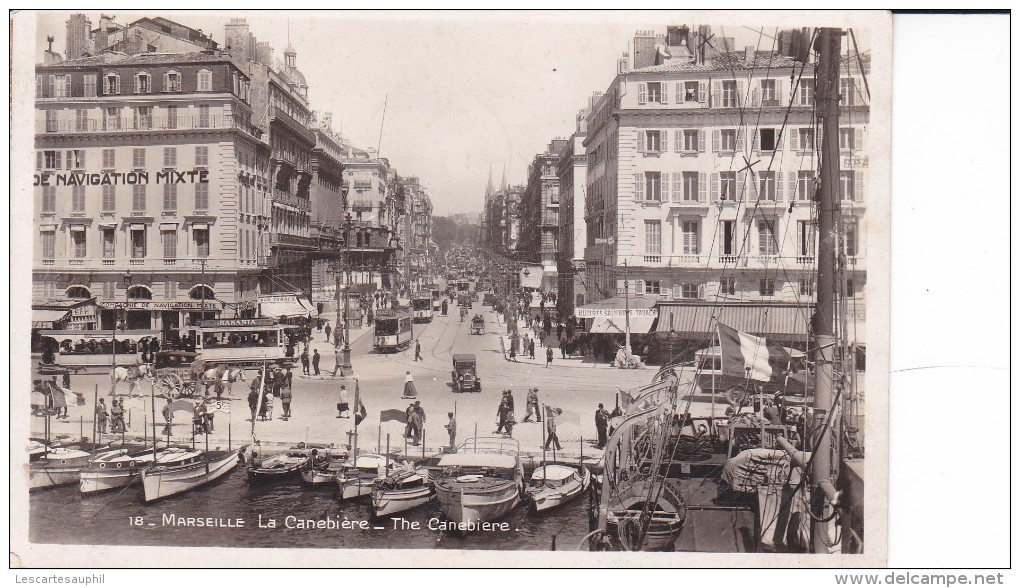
pixel 355 480
pixel 116 468
pixel 402 490
pixel 59 467
pixel 553 485
pixel 667 516
pixel 482 482
pixel 285 465
pixel 322 473
pixel 186 469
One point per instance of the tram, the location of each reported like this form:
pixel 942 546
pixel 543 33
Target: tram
pixel 239 342
pixel 422 309
pixel 93 351
pixel 393 330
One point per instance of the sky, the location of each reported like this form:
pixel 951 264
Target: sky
pixel 463 92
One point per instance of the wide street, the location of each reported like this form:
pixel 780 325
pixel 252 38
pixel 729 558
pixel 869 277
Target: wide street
pixel 576 385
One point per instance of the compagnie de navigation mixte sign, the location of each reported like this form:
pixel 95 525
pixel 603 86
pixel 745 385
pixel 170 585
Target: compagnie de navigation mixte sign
pixel 131 178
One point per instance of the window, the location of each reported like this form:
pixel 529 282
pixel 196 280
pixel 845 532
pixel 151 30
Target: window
pixel 653 287
pixel 201 236
pixel 691 240
pixel 169 238
pixel 204 80
pixel 203 116
pixel 171 117
pixel 111 84
pixel 728 285
pixel 689 290
pixel 766 238
pixel 768 93
pixel 805 139
pixel 806 95
pixel 729 94
pixel 691 142
pixel 169 197
pixel 850 238
pixel 805 239
pixel 49 199
pixel 81 120
pixel 76 159
pixel 143 83
pixel 169 157
pixel 109 158
pixel 51 159
pixel 690 186
pixel 727 185
pixel 653 141
pixel 111 119
pixel 807 286
pixel 48 244
pixel 850 288
pixel 846 186
pixel 78 242
pixel 61 86
pixel 138 158
pixel 847 92
pixel 39 87
pixel 690 92
pixel 143 117
pixel 138 198
pixel 90 85
pixel 727 140
pixel 656 92
pixel 109 237
pixel 767 185
pixel 851 139
pixel 554 195
pixel 201 156
pixel 109 198
pixel 766 139
pixel 653 237
pixel 767 286
pixel 78 199
pixel 172 81
pixel 653 186
pixel 138 242
pixel 729 244
pixel 201 196
pixel 52 122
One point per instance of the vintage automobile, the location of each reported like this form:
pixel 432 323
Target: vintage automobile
pixel 488 299
pixel 464 299
pixel 464 374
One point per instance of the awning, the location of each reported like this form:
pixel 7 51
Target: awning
pixel 280 306
pixel 617 307
pixel 134 335
pixel 45 318
pixel 696 320
pixel 309 307
pixel 638 325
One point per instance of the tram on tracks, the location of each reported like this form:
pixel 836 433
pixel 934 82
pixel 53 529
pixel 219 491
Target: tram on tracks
pixel 393 330
pixel 422 309
pixel 241 342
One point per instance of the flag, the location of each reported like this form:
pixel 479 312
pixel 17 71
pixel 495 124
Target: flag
pixel 562 416
pixel 359 409
pixel 748 356
pixel 393 414
pixel 624 399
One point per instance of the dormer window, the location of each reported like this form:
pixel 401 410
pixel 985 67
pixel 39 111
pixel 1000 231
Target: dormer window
pixel 172 81
pixel 111 84
pixel 143 83
pixel 204 80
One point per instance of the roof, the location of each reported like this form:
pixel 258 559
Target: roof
pixel 140 59
pixel 734 60
pixel 463 357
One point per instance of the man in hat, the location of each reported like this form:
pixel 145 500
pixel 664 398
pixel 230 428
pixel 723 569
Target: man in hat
pixel 451 428
pixel 304 360
pixel 550 428
pixel 315 360
pixel 417 351
pixel 532 406
pixel 602 425
pixel 418 420
pixel 101 416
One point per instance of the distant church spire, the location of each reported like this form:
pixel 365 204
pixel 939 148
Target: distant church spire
pixel 502 181
pixel 488 185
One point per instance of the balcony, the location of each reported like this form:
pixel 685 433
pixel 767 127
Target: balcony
pixel 805 259
pixel 278 114
pixel 288 240
pixel 729 259
pixel 143 124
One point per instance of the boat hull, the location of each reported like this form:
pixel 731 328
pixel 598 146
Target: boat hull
pixel 549 498
pixel 477 506
pixel 353 489
pixel 112 470
pixel 162 482
pixel 390 502
pixel 59 468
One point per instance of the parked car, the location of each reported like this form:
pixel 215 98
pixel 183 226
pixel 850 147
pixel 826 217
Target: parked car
pixel 464 374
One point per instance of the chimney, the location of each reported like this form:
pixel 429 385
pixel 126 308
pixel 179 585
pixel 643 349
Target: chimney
pixel 102 41
pixel 644 49
pixel 749 54
pixel 78 30
pixel 264 53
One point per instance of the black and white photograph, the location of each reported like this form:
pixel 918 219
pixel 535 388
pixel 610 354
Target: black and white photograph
pixel 497 283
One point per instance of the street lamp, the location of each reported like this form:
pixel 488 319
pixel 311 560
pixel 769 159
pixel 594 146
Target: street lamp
pixel 346 369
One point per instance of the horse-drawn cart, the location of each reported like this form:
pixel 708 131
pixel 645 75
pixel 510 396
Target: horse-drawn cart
pixel 177 373
pixel 477 325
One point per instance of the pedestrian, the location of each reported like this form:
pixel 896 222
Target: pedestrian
pixel 559 330
pixel 531 406
pixel 409 390
pixel 417 351
pixel 548 356
pixel 602 425
pixel 315 360
pixel 513 354
pixel 328 330
pixel 525 342
pixel 116 416
pixel 285 397
pixel 418 418
pixel 318 308
pixel 501 415
pixel 304 360
pixel 510 399
pixel 547 325
pixel 253 398
pixel 338 361
pixel 531 348
pixel 550 428
pixel 168 417
pixel 563 348
pixel 318 325
pixel 343 404
pixel 451 428
pixel 288 379
pixel 101 416
pixel 409 423
pixel 198 419
pixel 264 406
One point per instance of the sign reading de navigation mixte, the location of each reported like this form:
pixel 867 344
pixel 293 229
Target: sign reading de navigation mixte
pixel 131 178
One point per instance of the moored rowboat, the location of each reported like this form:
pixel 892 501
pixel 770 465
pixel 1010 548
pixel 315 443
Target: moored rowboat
pixel 184 470
pixel 553 485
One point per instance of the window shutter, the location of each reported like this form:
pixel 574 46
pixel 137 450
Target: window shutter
pixel 38 160
pixel 664 141
pixel 715 186
pixel 741 179
pixel 678 140
pixel 702 187
pixel 716 95
pixel 53 85
pixel 715 140
pixel 666 186
pixel 754 139
pixel 780 136
pixel 702 92
pixel 859 186
pixel 792 181
pixel 663 93
pixel 740 139
pixel 639 186
pixel 67 162
pixel 701 141
pixel 678 186
pixel 858 139
pixel 795 136
pixel 679 92
pixel 740 92
pixel 756 97
pixel 641 141
pixel 779 186
pixel 642 93
pixel 56 164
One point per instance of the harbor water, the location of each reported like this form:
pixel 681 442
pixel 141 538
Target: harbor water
pixel 63 516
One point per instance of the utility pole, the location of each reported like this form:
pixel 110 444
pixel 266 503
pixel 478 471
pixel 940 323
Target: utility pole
pixel 626 306
pixel 346 369
pixel 827 97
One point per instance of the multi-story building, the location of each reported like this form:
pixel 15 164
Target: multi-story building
pixel 571 171
pixel 328 208
pixel 372 237
pixel 145 35
pixel 150 187
pixel 420 242
pixel 539 214
pixel 702 178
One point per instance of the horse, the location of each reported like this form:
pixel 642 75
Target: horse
pixel 222 375
pixel 130 374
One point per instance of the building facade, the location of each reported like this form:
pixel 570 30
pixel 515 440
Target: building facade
pixel 539 214
pixel 571 171
pixel 150 189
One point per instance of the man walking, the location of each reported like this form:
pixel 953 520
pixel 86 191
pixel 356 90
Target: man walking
pixel 253 397
pixel 304 360
pixel 339 361
pixel 451 427
pixel 285 396
pixel 550 428
pixel 417 351
pixel 315 360
pixel 327 330
pixel 532 406
pixel 409 424
pixel 548 356
pixel 531 348
pixel 602 425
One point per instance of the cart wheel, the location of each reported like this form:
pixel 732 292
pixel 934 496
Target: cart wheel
pixel 170 385
pixel 188 389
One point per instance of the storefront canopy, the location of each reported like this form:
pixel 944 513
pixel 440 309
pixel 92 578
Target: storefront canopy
pixel 284 305
pixel 47 318
pixel 789 321
pixel 638 325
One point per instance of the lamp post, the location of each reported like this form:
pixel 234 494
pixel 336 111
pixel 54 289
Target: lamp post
pixel 346 369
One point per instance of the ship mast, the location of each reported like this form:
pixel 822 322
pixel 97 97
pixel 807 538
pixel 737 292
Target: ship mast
pixel 827 100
